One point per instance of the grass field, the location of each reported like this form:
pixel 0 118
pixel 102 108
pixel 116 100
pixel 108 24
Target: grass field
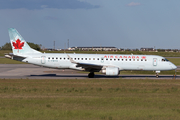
pixel 10 61
pixel 2 52
pixel 176 61
pixel 89 99
pixel 164 54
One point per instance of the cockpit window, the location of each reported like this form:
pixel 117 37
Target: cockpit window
pixel 165 60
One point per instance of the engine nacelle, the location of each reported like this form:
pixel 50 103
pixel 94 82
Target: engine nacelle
pixel 111 71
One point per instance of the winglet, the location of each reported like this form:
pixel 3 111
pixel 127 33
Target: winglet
pixel 72 61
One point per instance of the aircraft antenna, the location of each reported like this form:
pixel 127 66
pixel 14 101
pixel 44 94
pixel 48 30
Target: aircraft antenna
pixel 68 43
pixel 54 45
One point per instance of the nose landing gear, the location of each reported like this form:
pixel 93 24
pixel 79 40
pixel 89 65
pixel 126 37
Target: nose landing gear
pixel 175 75
pixel 157 73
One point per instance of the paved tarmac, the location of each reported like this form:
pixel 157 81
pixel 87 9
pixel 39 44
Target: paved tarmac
pixel 28 71
pixel 14 71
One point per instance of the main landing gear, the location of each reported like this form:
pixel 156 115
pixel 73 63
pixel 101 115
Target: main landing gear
pixel 91 75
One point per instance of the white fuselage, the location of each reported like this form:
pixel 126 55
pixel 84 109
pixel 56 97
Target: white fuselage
pixel 123 62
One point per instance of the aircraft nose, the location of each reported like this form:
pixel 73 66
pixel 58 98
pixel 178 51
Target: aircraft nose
pixel 173 66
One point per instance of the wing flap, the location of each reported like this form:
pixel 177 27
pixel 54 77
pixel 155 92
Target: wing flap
pixel 86 66
pixel 89 66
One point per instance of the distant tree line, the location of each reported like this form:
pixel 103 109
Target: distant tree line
pixel 7 46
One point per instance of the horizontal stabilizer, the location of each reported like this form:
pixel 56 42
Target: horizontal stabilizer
pixel 11 55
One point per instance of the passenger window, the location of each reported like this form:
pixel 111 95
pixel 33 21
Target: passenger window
pixel 145 59
pixel 60 58
pixel 78 58
pixel 137 59
pixel 126 59
pixel 106 59
pixel 64 58
pixel 57 58
pixel 93 58
pixel 85 58
pixel 98 59
pixel 52 58
pixel 48 57
pixel 89 58
pixel 81 58
pixel 68 58
pixel 122 59
pixel 129 59
pixel 141 59
pixel 118 59
pixel 110 59
pixel 114 59
pixel 133 59
pixel 74 58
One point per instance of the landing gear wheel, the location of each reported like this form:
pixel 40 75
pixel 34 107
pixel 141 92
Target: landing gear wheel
pixel 157 76
pixel 91 75
pixel 175 75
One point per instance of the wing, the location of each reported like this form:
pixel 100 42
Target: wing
pixel 87 66
pixel 90 67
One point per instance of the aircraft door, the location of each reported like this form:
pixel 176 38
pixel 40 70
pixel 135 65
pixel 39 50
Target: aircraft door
pixel 43 59
pixel 154 61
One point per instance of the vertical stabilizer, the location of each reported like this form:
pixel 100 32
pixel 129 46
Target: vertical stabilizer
pixel 19 45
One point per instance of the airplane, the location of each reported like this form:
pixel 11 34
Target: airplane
pixel 108 64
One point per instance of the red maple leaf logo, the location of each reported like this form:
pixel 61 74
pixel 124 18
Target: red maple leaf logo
pixel 18 45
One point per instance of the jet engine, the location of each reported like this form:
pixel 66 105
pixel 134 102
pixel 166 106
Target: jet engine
pixel 111 71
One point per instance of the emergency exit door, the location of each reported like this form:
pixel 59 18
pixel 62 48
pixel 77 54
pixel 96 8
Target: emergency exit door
pixel 43 59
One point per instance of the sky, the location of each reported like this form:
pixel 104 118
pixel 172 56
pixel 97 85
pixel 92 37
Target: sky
pixel 119 23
